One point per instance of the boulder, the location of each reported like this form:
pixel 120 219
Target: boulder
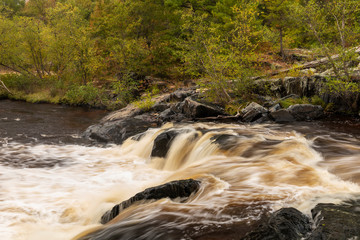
pixel 119 130
pixel 275 107
pixel 172 190
pixel 303 112
pixel 281 116
pixel 195 109
pixel 284 224
pixel 162 143
pixel 333 222
pixel 252 112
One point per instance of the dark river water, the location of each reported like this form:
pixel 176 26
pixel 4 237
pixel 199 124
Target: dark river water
pixel 56 185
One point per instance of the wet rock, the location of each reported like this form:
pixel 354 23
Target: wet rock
pixel 275 108
pixel 333 222
pixel 195 109
pixel 225 141
pixel 284 224
pixel 303 112
pixel 252 112
pixel 162 143
pixel 119 130
pixel 263 119
pixel 172 190
pixel 282 115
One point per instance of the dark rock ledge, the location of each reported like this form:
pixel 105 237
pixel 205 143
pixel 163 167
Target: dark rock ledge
pixel 328 222
pixel 186 106
pixel 172 190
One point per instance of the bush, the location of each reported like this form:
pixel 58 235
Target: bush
pixel 85 95
pixel 19 82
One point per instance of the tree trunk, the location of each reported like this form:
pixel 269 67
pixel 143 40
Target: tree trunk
pixel 281 44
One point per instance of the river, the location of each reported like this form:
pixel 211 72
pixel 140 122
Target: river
pixel 56 185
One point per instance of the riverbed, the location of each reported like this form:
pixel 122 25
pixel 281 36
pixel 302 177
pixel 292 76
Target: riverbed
pixel 56 185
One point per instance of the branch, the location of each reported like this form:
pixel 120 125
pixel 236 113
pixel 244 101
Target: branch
pixel 4 86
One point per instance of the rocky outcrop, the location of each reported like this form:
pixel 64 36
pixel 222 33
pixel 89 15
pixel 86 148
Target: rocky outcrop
pixel 182 105
pixel 333 222
pixel 172 190
pixel 329 222
pixel 308 86
pixel 119 130
pixel 284 224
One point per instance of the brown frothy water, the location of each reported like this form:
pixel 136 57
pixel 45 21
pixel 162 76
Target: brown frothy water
pixel 59 190
pixel 246 171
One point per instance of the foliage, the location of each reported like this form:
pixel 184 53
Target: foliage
pixel 316 100
pixel 292 101
pixel 146 102
pixel 85 95
pixel 69 47
pixel 124 89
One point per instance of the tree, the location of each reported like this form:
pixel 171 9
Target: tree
pixel 222 54
pixel 13 5
pixel 277 15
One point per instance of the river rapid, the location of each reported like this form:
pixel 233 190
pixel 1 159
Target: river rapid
pixel 56 185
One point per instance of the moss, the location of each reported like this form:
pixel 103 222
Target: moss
pixel 292 101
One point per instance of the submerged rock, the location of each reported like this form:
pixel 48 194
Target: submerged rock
pixel 284 224
pixel 333 222
pixel 162 143
pixel 172 190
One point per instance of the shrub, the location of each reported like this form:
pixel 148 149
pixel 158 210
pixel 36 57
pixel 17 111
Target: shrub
pixel 85 95
pixel 316 100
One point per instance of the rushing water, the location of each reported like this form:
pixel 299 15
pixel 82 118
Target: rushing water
pixel 54 185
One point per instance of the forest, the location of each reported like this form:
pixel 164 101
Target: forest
pixel 107 53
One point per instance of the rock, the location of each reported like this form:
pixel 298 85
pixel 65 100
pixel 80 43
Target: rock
pixel 295 85
pixel 165 115
pixel 284 224
pixel 159 107
pixel 119 130
pixel 263 119
pixel 225 141
pixel 282 115
pixel 126 112
pixel 252 112
pixel 275 108
pixel 180 95
pixel 178 107
pixel 162 143
pixel 194 109
pixel 303 112
pixel 333 222
pixel 172 190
